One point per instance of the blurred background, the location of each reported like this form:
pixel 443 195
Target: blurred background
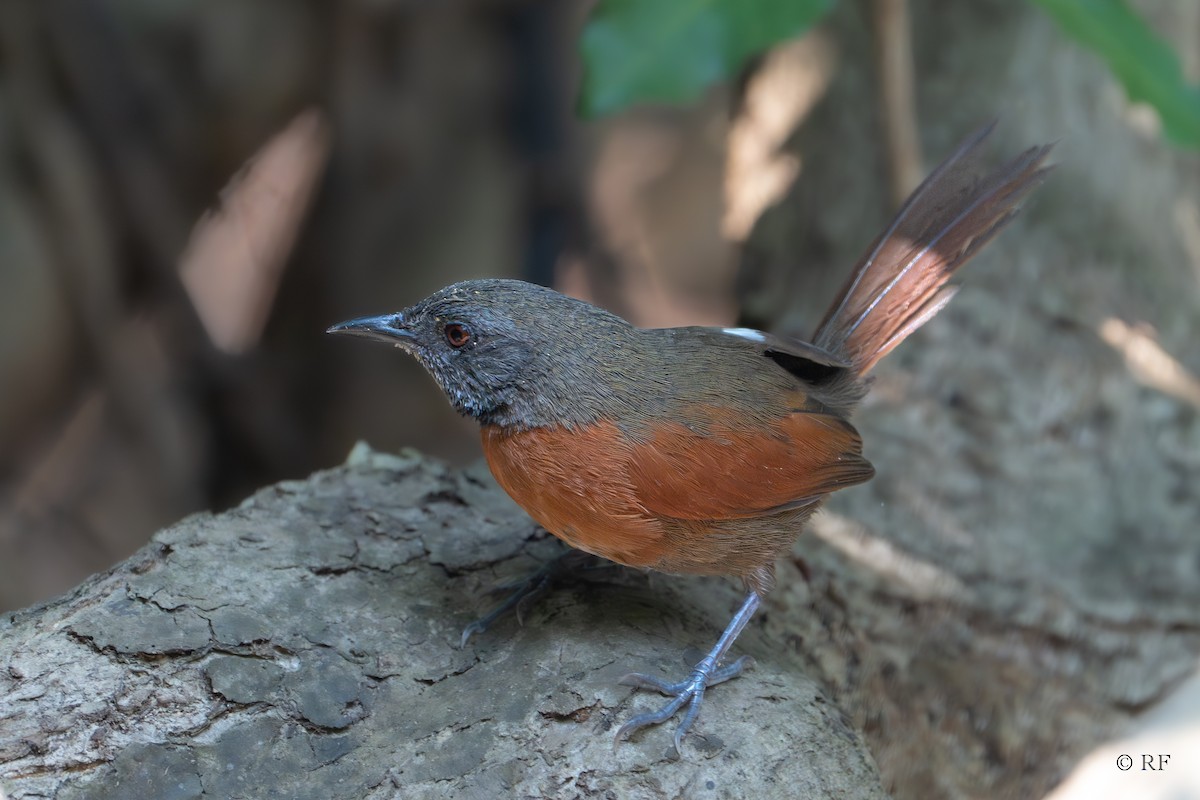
pixel 192 191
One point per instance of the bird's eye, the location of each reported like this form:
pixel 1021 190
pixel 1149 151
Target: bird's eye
pixel 457 335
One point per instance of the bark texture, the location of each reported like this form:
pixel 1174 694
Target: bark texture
pixel 305 645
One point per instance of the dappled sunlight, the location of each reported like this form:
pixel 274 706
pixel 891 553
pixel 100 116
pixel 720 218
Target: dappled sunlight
pixel 1143 119
pixel 920 579
pixel 779 96
pixel 233 263
pixel 1148 362
pixel 657 181
pixel 656 202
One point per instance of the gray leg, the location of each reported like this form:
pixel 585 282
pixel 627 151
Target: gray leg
pixel 526 590
pixel 691 691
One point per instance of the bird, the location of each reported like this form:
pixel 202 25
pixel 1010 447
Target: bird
pixel 696 450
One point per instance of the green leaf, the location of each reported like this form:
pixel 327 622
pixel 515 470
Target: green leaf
pixel 672 50
pixel 1143 62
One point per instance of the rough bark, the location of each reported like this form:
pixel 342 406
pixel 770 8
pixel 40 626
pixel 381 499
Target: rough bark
pixel 305 644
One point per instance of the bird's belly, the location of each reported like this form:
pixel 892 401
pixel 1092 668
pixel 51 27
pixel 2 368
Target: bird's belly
pixel 575 484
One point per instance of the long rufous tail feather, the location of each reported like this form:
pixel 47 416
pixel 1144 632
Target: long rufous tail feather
pixel 901 282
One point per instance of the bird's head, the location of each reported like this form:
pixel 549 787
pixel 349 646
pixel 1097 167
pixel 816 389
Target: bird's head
pixel 504 351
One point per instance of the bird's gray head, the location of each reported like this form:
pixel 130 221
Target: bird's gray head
pixel 505 352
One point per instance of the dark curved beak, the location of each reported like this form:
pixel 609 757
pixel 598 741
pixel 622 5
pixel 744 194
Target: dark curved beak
pixel 389 328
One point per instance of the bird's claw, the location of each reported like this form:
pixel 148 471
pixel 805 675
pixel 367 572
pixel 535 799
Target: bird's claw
pixel 523 591
pixel 689 692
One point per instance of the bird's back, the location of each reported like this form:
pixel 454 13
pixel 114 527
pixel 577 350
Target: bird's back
pixel 671 486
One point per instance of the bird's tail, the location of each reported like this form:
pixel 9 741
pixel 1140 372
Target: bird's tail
pixel 901 282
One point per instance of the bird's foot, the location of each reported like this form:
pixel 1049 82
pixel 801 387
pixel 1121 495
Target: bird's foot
pixel 524 591
pixel 689 692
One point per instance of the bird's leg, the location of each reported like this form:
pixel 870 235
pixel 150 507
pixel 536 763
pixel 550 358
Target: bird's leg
pixel 708 672
pixel 525 590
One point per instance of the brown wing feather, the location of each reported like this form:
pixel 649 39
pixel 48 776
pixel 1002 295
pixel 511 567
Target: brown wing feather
pixel 703 472
pixel 600 491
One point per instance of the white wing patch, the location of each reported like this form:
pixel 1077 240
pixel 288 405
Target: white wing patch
pixel 746 333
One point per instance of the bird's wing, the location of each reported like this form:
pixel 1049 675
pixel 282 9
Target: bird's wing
pixel 770 342
pixel 723 466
